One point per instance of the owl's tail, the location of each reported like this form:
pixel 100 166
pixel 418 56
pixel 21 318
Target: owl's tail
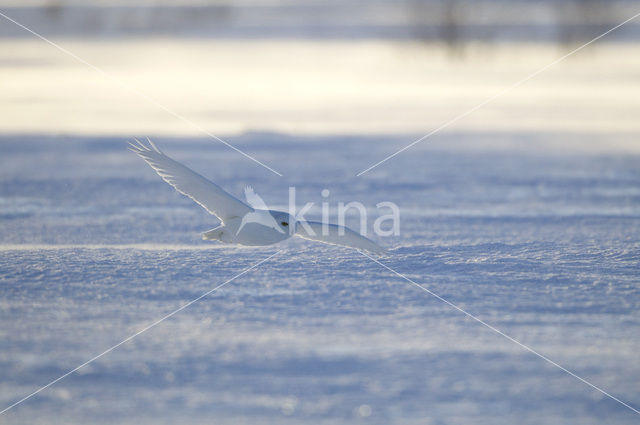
pixel 220 233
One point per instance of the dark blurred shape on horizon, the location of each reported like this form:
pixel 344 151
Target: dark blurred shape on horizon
pixel 451 21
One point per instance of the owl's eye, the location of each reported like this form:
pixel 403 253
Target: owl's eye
pixel 284 223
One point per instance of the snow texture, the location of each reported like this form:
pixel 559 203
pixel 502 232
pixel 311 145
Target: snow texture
pixel 544 246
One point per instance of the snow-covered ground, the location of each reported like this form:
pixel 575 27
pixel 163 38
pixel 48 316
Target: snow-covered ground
pixel 543 244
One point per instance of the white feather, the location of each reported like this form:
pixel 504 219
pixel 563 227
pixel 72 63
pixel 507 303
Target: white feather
pixel 186 181
pixel 336 235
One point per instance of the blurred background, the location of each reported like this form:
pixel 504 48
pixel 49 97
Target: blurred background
pixel 318 67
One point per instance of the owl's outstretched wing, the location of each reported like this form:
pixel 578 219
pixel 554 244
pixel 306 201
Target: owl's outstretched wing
pixel 337 235
pixel 186 181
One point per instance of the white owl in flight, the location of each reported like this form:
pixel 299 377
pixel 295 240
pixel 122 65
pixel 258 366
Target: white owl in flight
pixel 243 224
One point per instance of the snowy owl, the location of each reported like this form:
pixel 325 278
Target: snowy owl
pixel 243 224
